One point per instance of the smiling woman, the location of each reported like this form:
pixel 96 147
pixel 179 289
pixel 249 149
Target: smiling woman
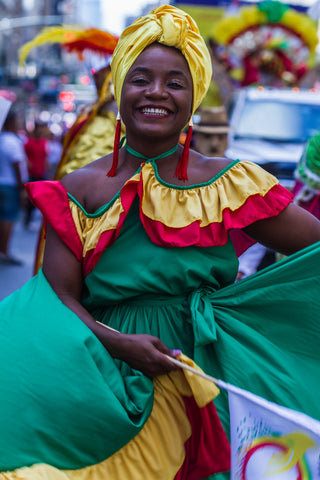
pixel 139 266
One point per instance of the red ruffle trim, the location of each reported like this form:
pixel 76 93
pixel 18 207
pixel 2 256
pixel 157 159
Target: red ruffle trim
pixel 46 194
pixel 208 449
pixel 256 207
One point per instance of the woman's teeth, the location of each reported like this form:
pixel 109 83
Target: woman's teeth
pixel 155 111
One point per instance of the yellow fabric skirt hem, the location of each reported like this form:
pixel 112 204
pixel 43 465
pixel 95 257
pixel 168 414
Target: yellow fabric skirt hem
pixel 158 451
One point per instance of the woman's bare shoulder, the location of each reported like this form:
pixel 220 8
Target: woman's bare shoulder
pixel 83 181
pixel 203 169
pixel 83 177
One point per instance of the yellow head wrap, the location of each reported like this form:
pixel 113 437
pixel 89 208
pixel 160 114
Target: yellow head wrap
pixel 171 27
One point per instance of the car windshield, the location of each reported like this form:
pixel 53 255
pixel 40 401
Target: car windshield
pixel 278 121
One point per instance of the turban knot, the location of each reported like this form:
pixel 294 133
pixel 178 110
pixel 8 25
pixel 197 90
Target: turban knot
pixel 173 34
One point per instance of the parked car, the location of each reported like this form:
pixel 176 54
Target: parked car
pixel 271 127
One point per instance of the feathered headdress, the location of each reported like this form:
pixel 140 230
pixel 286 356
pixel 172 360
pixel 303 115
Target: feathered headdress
pixel 74 39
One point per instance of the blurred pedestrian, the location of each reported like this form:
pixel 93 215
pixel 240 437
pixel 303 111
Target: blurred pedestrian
pixel 210 132
pixel 36 151
pixel 254 259
pixel 13 175
pixel 54 151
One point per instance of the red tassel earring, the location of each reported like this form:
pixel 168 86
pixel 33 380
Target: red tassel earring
pixel 113 170
pixel 182 167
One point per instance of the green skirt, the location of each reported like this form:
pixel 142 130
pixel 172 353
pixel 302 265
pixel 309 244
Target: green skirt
pixel 261 334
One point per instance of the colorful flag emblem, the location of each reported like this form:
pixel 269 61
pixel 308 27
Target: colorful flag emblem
pixel 269 441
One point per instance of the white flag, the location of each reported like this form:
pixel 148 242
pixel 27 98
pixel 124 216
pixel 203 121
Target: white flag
pixel 314 10
pixel 270 442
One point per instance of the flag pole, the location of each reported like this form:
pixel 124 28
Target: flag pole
pixel 193 370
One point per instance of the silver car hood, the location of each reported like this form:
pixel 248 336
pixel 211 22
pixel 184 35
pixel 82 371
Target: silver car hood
pixel 261 151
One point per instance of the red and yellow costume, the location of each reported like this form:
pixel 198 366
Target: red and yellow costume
pixel 168 272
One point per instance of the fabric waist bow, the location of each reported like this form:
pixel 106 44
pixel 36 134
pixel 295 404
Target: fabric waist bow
pixel 202 316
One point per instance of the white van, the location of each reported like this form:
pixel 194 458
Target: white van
pixel 271 127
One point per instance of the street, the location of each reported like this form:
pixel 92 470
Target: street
pixel 23 246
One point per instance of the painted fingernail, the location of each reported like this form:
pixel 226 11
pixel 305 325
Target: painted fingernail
pixel 176 352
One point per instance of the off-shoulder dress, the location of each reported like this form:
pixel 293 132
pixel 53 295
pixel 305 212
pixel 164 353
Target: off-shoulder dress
pixel 162 260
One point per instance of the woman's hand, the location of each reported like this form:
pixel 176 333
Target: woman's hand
pixel 143 352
